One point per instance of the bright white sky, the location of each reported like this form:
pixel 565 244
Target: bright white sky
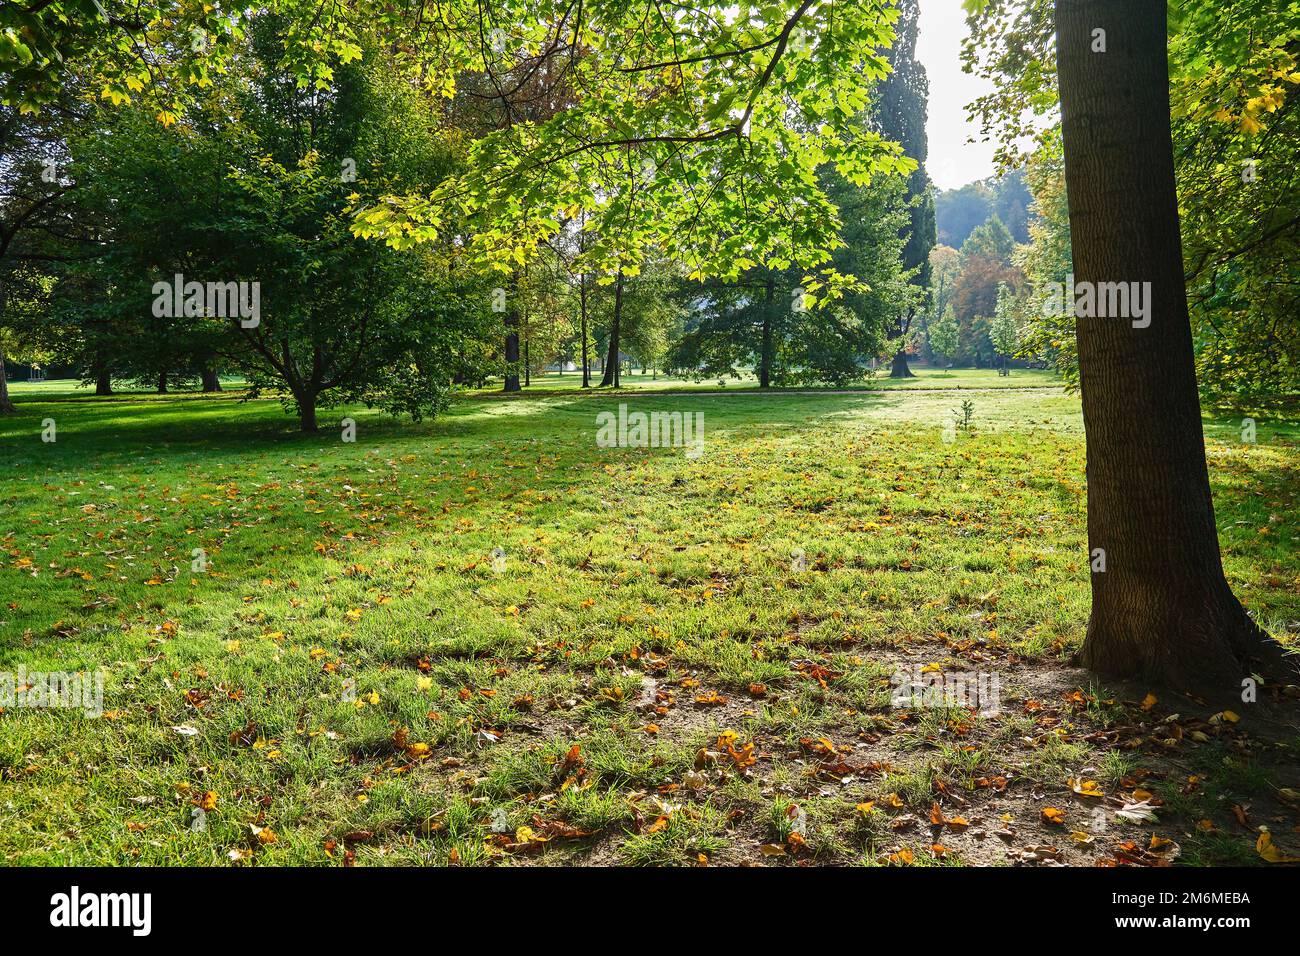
pixel 953 162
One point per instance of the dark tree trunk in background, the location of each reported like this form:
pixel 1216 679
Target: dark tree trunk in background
pixel 211 381
pixel 512 352
pixel 162 382
pixel 103 382
pixel 765 359
pixel 528 362
pixel 512 341
pixel 5 404
pixel 901 112
pixel 582 298
pixel 899 369
pixel 307 412
pixel 612 363
pixel 1162 609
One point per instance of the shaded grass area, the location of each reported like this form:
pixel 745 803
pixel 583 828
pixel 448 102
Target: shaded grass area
pixel 486 639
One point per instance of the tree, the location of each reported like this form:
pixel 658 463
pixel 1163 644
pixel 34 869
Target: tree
pixel 958 212
pixel 943 334
pixel 945 269
pixel 1161 606
pixel 1004 332
pixel 6 404
pixel 722 118
pixel 985 267
pixel 901 114
pixel 1046 261
pixel 1233 72
pixel 697 137
pixel 44 43
pixel 256 188
pixel 761 321
pixel 613 357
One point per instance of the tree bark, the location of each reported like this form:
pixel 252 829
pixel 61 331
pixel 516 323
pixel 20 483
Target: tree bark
pixel 162 382
pixel 582 298
pixel 765 358
pixel 899 369
pixel 307 413
pixel 1162 609
pixel 613 365
pixel 6 405
pixel 211 381
pixel 512 353
pixel 512 341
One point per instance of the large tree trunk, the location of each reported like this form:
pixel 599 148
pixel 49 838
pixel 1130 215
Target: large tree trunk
pixel 765 358
pixel 211 381
pixel 899 369
pixel 162 382
pixel 307 412
pixel 103 381
pixel 5 404
pixel 1162 609
pixel 612 363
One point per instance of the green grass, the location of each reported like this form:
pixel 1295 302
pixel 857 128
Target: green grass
pixel 925 378
pixel 351 613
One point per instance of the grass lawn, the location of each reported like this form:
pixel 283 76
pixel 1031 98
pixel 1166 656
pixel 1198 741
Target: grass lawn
pixel 925 378
pixel 487 640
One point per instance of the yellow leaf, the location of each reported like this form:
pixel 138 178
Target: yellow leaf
pixel 1265 848
pixel 1086 788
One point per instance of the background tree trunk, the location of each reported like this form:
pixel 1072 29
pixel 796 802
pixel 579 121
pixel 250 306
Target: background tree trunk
pixel 211 381
pixel 512 340
pixel 765 359
pixel 1162 609
pixel 586 365
pixel 612 363
pixel 5 404
pixel 162 382
pixel 103 381
pixel 899 369
pixel 512 351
